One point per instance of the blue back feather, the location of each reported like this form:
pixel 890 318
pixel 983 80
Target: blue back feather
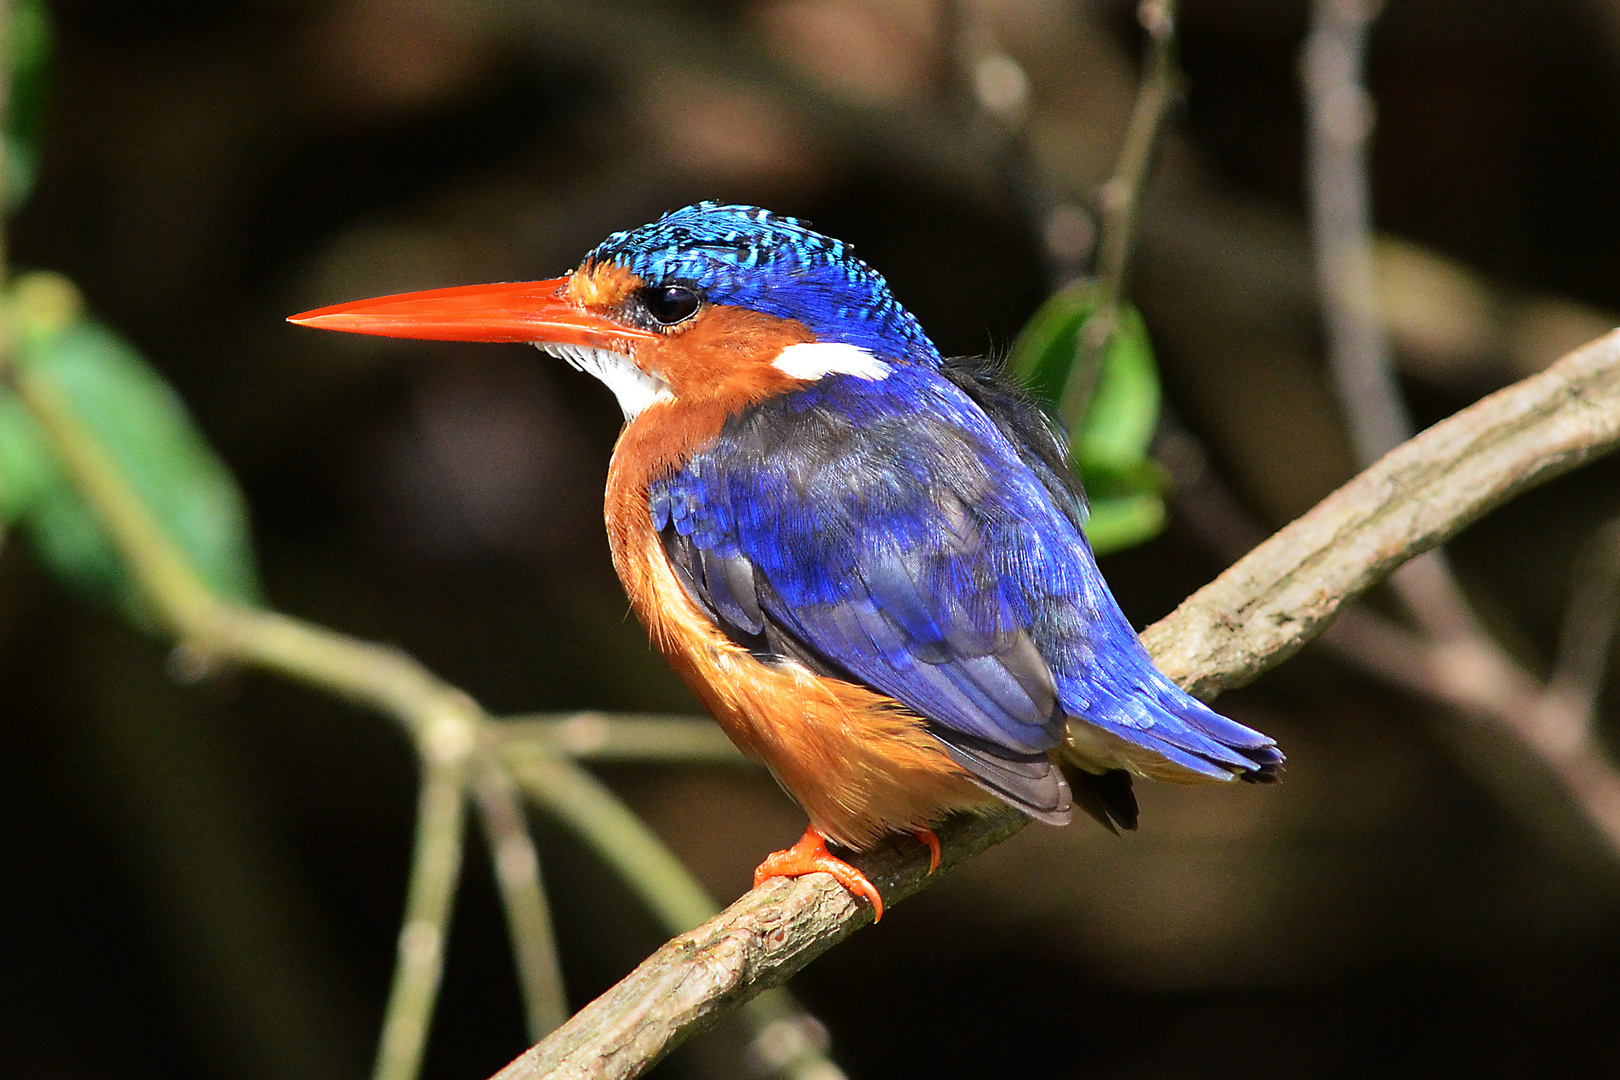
pixel 892 531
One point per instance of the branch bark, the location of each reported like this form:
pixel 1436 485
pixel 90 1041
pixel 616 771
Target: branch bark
pixel 1255 615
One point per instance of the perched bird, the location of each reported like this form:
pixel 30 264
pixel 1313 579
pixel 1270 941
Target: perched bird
pixel 869 562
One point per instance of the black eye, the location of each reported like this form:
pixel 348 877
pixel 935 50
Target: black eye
pixel 670 304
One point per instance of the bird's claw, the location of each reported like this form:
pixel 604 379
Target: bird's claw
pixel 810 856
pixel 927 839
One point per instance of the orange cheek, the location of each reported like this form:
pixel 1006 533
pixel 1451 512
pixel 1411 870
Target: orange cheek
pixel 721 354
pixel 725 353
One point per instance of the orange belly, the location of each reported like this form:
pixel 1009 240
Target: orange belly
pixel 860 764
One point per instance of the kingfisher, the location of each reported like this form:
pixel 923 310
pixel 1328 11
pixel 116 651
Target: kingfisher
pixel 867 561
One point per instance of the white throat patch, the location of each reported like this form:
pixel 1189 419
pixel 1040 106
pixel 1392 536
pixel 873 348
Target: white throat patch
pixel 817 359
pixel 634 388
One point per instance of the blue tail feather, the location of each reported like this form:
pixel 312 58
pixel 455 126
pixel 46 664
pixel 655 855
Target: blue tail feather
pixel 1131 700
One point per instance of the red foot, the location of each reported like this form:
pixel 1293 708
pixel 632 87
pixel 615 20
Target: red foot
pixel 810 856
pixel 927 838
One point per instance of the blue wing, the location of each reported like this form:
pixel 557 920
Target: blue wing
pixel 898 534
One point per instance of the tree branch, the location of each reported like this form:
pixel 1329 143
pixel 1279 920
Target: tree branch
pixel 1587 636
pixel 1455 659
pixel 1276 598
pixel 1258 613
pixel 760 941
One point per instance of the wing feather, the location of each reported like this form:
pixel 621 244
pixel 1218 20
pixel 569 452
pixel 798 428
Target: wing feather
pixel 895 534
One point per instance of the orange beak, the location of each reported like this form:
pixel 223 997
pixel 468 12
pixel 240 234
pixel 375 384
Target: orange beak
pixel 510 311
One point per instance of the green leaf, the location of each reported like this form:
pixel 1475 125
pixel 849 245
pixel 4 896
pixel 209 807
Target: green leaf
pixel 1109 444
pixel 1044 351
pixel 1118 522
pixel 148 435
pixel 1124 409
pixel 26 468
pixel 1117 423
pixel 31 41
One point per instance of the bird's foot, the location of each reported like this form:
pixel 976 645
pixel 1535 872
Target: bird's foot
pixel 927 839
pixel 810 856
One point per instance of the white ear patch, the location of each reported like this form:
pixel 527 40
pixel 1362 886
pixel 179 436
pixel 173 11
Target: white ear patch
pixel 817 359
pixel 634 388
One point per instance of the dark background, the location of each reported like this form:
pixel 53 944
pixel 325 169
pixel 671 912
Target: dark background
pixel 201 882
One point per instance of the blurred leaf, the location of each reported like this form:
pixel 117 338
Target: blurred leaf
pixel 1044 351
pixel 1124 409
pixel 148 435
pixel 26 468
pixel 1121 521
pixel 31 46
pixel 1108 447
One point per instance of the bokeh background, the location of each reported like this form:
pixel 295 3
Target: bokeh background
pixel 205 882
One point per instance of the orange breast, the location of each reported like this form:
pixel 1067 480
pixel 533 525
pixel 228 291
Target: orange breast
pixel 859 763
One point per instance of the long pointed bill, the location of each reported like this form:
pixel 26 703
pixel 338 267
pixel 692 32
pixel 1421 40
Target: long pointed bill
pixel 510 311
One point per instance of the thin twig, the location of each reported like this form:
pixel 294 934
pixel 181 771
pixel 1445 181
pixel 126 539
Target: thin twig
pixel 1587 637
pixel 614 832
pixel 1340 115
pixel 1478 682
pixel 177 595
pixel 618 737
pixel 1120 197
pixel 523 895
pixel 435 870
pixel 1252 617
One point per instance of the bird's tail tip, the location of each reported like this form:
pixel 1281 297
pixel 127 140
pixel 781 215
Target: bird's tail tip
pixel 1161 732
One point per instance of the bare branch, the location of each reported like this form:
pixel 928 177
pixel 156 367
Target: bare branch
pixel 1252 617
pixel 1456 660
pixel 1340 114
pixel 624 841
pixel 1476 678
pixel 523 895
pixel 1588 632
pixel 1121 194
pixel 435 870
pixel 1280 595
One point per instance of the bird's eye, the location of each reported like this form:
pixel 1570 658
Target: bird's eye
pixel 670 304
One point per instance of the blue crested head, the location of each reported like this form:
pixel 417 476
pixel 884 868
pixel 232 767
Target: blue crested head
pixel 747 257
